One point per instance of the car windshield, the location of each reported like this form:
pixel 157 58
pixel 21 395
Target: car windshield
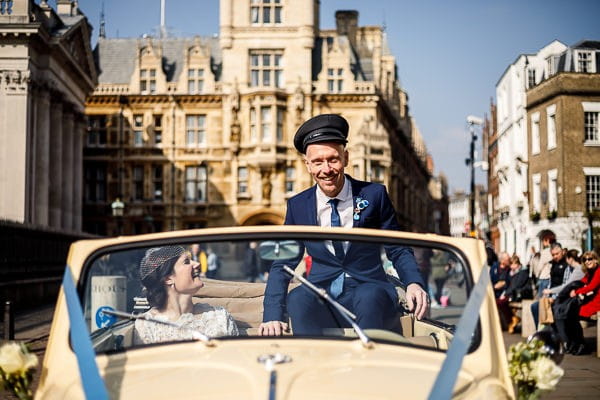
pixel 134 296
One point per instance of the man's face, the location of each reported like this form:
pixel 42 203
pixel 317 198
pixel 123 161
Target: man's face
pixel 556 254
pixel 326 162
pixel 505 262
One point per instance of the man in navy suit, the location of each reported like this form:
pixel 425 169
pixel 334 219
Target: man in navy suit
pixel 350 272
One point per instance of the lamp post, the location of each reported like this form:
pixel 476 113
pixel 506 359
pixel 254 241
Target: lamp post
pixel 118 208
pixel 591 215
pixel 472 121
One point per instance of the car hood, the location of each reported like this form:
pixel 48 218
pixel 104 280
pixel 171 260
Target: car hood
pixel 313 369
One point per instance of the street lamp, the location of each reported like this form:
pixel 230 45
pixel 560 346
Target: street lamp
pixel 592 214
pixel 472 121
pixel 117 211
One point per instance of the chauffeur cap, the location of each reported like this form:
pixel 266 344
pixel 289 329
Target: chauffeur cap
pixel 322 128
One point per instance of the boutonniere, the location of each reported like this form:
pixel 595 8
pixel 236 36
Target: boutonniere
pixel 361 204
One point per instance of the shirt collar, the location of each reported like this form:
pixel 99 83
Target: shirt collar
pixel 344 194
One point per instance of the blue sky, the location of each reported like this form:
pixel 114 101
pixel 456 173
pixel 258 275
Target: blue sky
pixel 450 53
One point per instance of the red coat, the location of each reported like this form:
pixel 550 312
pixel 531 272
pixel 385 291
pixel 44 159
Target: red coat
pixel 591 307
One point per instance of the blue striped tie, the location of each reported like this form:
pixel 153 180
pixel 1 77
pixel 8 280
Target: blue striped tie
pixel 336 221
pixel 337 285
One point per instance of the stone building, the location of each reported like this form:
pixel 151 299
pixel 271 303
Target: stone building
pixel 198 132
pixel 459 213
pixel 564 145
pixel 46 72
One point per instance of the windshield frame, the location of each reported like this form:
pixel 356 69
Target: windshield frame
pixel 192 236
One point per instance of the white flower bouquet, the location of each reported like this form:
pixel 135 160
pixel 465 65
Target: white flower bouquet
pixel 532 370
pixel 16 369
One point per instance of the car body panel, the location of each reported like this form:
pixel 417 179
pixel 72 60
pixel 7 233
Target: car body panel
pixel 317 368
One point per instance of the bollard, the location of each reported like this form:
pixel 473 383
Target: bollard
pixel 9 321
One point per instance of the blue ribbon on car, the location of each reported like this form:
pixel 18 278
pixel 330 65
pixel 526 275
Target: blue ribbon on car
pixel 93 385
pixel 446 378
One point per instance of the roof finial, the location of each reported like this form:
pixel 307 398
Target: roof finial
pixel 163 28
pixel 102 23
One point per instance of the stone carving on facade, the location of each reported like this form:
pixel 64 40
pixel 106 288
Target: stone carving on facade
pixel 298 103
pixel 235 138
pixel 236 129
pixel 266 184
pixel 14 81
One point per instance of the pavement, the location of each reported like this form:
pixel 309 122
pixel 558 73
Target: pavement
pixel 582 373
pixel 581 379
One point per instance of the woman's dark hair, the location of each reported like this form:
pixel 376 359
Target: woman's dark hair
pixel 515 259
pixel 156 265
pixel 154 284
pixel 549 236
pixel 574 255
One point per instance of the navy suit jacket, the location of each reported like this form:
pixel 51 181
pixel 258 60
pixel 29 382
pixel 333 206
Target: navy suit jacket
pixel 362 260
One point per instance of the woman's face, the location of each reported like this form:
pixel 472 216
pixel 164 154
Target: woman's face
pixel 590 262
pixel 182 279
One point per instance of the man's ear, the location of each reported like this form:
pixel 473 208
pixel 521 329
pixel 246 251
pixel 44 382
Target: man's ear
pixel 346 157
pixel 306 163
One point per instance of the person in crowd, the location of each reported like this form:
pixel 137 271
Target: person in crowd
pixel 532 263
pixel 517 286
pixel 584 302
pixel 502 276
pixel 170 279
pixel 558 264
pixel 307 264
pixel 570 272
pixel 423 256
pixel 352 273
pixel 574 272
pixel 492 261
pixel 440 271
pixel 198 254
pixel 544 264
pixel 212 262
pixel 250 265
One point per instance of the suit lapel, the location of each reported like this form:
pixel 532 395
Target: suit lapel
pixel 312 206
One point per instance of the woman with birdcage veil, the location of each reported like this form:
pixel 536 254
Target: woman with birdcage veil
pixel 170 279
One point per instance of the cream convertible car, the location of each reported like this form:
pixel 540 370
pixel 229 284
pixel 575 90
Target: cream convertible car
pixel 456 352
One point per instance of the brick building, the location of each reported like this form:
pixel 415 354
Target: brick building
pixel 564 145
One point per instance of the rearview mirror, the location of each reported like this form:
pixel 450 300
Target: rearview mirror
pixel 279 250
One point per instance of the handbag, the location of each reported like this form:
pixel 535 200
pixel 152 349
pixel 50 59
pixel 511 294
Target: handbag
pixel 546 316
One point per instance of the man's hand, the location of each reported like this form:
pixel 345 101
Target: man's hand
pixel 417 300
pixel 272 328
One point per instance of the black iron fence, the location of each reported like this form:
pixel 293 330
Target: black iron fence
pixel 32 262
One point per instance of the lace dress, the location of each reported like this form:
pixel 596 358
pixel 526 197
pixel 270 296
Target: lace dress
pixel 211 321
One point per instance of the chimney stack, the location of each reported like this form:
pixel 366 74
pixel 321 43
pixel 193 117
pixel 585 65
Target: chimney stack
pixel 346 22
